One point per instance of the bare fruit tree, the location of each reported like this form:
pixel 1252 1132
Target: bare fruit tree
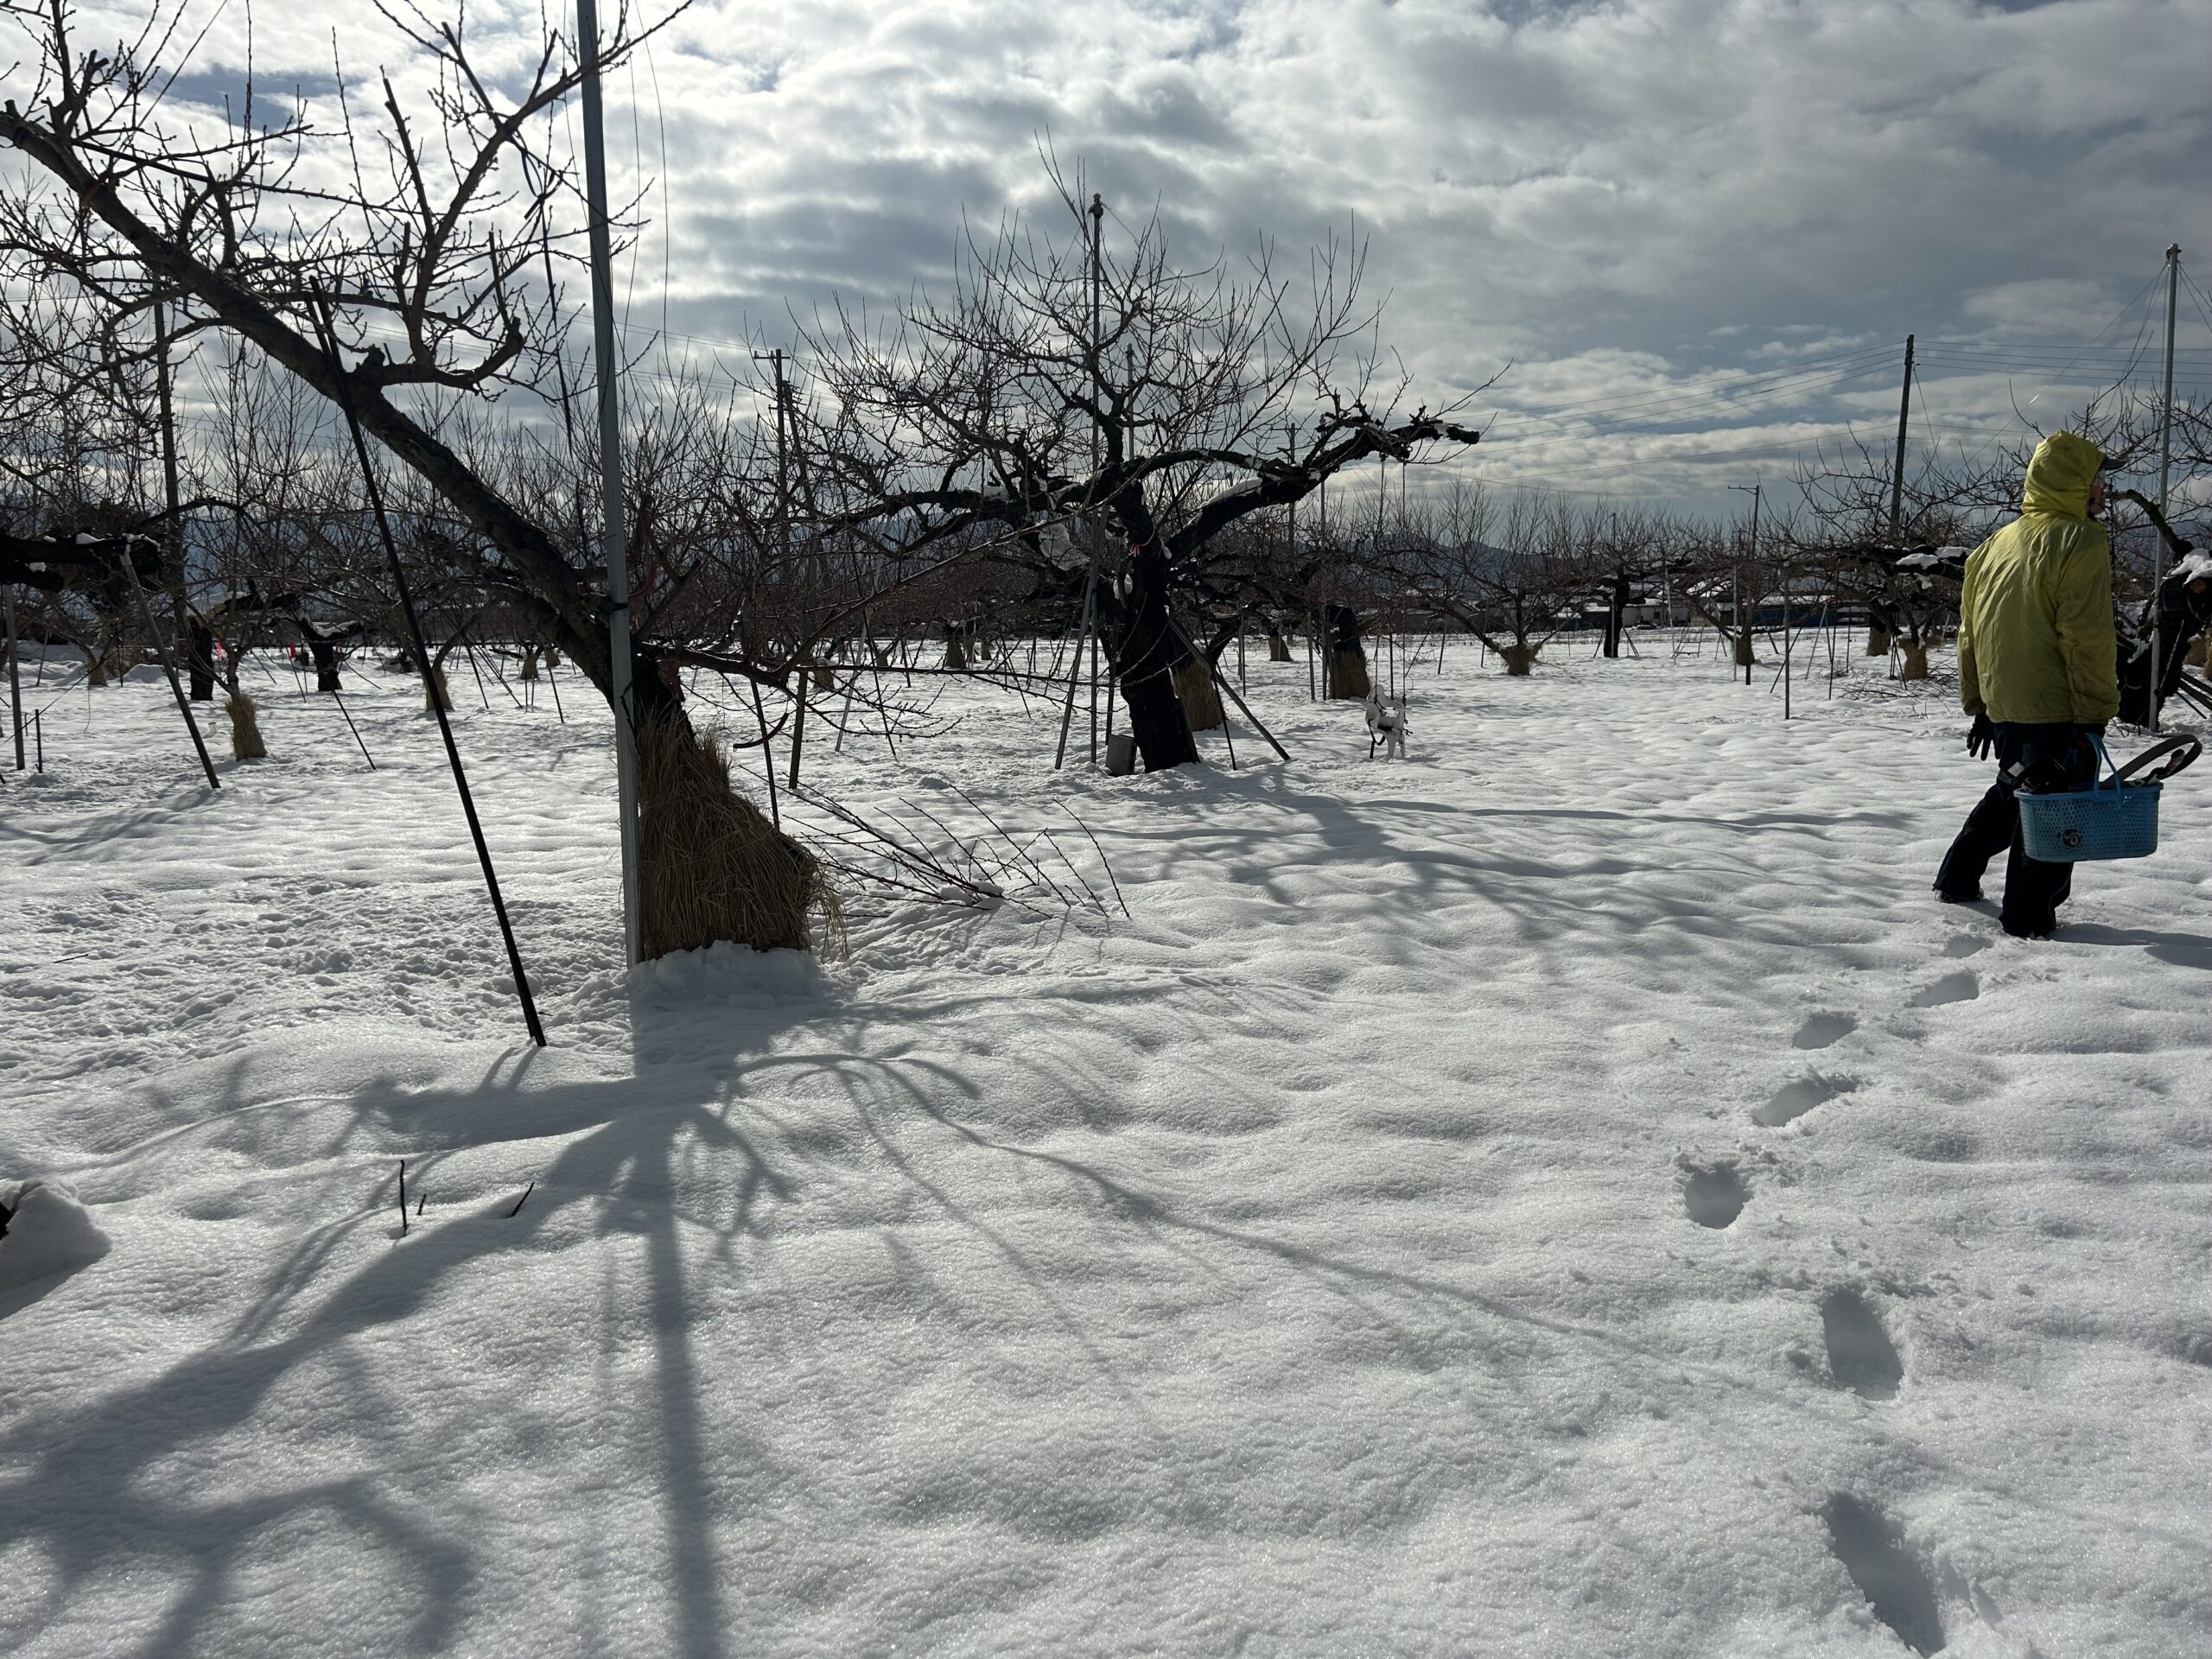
pixel 1148 414
pixel 399 269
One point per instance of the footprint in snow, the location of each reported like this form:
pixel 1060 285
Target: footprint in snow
pixel 1819 1030
pixel 1895 1585
pixel 1792 1099
pixel 1861 1356
pixel 1714 1194
pixel 1961 987
pixel 1964 945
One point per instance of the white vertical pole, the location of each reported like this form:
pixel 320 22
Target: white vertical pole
pixel 15 674
pixel 2166 465
pixel 1097 459
pixel 614 530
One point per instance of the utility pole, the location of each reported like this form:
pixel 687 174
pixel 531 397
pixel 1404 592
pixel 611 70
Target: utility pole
pixel 1743 623
pixel 2165 464
pixel 613 528
pixel 1897 468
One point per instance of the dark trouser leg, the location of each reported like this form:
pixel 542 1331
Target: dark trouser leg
pixel 2034 889
pixel 1993 826
pixel 2033 892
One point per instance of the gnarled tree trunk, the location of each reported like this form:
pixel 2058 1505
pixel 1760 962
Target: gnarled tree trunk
pixel 1343 662
pixel 1143 645
pixel 202 668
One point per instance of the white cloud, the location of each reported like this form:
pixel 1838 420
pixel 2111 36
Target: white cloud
pixel 1626 198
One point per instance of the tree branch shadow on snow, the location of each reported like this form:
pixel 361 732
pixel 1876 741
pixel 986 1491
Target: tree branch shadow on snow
pixel 102 1461
pixel 103 831
pixel 1633 886
pixel 737 1091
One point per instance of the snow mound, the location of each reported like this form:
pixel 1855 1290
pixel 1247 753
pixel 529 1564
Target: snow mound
pixel 49 1232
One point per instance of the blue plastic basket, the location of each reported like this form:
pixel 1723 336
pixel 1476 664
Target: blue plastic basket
pixel 2107 820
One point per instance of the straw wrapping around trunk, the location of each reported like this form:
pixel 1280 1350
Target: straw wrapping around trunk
pixel 1201 703
pixel 246 730
pixel 712 866
pixel 1345 668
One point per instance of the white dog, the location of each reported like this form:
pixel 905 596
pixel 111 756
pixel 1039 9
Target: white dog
pixel 1386 725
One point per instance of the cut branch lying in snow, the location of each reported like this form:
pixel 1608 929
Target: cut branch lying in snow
pixel 992 867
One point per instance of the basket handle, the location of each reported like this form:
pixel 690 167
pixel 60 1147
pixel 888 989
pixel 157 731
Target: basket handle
pixel 2097 742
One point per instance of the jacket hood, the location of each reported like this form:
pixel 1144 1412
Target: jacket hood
pixel 2059 475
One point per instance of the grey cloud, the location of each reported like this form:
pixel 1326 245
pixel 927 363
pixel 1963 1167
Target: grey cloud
pixel 1622 197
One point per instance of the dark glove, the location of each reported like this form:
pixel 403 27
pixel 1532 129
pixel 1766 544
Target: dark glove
pixel 1981 737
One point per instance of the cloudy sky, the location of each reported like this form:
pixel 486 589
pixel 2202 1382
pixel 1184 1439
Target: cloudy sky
pixel 1697 229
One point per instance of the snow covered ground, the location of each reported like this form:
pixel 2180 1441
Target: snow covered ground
pixel 1571 1192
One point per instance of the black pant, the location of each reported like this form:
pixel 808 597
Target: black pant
pixel 2034 889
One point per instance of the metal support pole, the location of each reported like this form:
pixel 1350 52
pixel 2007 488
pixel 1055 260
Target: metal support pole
pixel 15 675
pixel 1075 677
pixel 339 697
pixel 1097 531
pixel 799 720
pixel 613 529
pixel 172 494
pixel 1211 668
pixel 2165 464
pixel 344 379
pixel 169 667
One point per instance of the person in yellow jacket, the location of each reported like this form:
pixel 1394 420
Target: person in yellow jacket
pixel 2037 670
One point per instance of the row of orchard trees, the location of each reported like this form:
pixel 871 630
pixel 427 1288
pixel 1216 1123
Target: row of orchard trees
pixel 1078 425
pixel 1068 417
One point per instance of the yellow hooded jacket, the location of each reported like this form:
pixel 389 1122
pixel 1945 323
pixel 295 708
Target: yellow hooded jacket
pixel 2034 618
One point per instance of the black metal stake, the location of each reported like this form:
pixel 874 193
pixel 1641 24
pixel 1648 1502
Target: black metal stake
pixel 767 757
pixel 1214 669
pixel 470 651
pixel 469 646
pixel 1074 674
pixel 356 730
pixel 402 1197
pixel 343 378
pixel 169 668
